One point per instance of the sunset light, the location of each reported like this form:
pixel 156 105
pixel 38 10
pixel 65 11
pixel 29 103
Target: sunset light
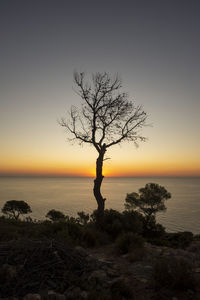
pixel 99 149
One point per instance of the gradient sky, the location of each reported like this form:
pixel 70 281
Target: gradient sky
pixel 153 45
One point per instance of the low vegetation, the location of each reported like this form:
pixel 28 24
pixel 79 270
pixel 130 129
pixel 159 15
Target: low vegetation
pixel 174 273
pixel 129 241
pixel 136 224
pixel 127 232
pixel 55 215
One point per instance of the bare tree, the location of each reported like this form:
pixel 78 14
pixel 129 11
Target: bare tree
pixel 106 118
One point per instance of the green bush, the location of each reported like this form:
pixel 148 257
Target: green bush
pixel 128 241
pixel 132 221
pixel 173 273
pixel 179 239
pixel 83 218
pixel 89 238
pixel 115 228
pixel 111 222
pixel 153 230
pixel 11 229
pixel 55 215
pixel 63 229
pixel 197 237
pixel 74 229
pixel 114 222
pixel 55 230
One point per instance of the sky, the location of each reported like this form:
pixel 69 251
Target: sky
pixel 153 45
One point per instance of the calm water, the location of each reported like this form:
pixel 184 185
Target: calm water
pixel 70 195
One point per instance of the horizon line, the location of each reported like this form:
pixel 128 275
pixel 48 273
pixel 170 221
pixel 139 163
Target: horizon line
pixel 79 176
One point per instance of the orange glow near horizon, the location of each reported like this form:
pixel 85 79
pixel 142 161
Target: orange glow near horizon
pixel 157 65
pixel 117 170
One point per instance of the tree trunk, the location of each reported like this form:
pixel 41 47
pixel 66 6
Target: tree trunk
pixel 97 186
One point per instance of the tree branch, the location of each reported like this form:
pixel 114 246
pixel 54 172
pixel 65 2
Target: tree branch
pixel 107 117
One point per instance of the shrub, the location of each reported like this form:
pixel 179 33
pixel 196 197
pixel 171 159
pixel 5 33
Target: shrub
pixel 128 241
pixel 114 222
pixel 173 273
pixel 89 238
pixel 93 217
pixel 197 237
pixel 148 201
pixel 56 230
pixel 74 229
pixel 83 218
pixel 55 215
pixel 151 229
pixel 111 215
pixel 132 221
pixel 179 239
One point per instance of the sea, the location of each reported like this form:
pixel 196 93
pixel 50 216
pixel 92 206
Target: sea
pixel 71 195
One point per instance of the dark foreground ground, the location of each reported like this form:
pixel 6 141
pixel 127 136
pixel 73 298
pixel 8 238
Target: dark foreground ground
pixel 50 269
pixel 76 258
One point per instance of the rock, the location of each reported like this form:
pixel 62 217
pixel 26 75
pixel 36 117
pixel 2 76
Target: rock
pixel 98 276
pixel 190 292
pixel 72 293
pixel 112 273
pixel 115 280
pixel 143 280
pixel 84 295
pixel 105 262
pixel 141 269
pixel 32 297
pixel 54 296
pixel 75 293
pixel 81 251
pixel 197 270
pixel 60 297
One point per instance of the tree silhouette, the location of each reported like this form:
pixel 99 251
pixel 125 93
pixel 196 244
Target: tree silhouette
pixel 15 208
pixel 106 118
pixel 149 200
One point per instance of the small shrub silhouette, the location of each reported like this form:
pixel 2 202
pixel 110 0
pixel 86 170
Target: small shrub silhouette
pixel 55 215
pixel 179 239
pixel 128 241
pixel 83 218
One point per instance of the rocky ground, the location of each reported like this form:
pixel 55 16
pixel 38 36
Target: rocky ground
pixel 137 270
pixel 52 270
